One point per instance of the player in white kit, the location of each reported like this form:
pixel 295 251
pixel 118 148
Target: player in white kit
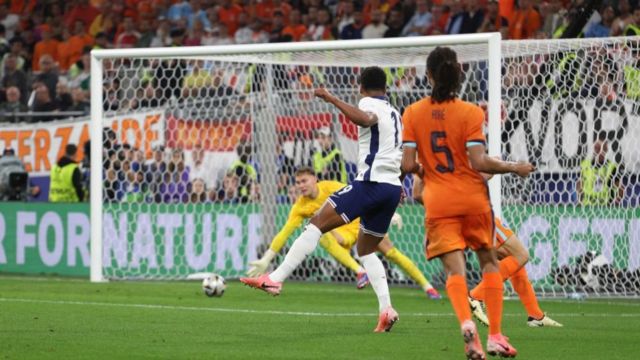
pixel 372 197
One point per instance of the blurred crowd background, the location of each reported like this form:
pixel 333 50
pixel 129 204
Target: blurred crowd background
pixel 44 45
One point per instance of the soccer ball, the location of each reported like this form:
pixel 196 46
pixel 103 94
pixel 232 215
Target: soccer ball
pixel 213 285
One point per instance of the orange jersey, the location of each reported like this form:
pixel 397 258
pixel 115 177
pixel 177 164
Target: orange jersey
pixel 48 47
pixel 442 132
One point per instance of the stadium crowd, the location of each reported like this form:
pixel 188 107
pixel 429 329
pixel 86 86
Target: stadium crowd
pixel 45 63
pixel 44 45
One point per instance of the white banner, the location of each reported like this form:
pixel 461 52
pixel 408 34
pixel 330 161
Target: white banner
pixel 558 135
pixel 40 145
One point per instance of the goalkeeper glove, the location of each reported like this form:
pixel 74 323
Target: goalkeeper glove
pixel 396 220
pixel 259 267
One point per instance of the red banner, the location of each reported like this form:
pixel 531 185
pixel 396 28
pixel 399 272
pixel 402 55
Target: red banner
pixel 211 135
pixel 224 135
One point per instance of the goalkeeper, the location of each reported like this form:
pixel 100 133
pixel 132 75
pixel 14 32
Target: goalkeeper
pixel 338 242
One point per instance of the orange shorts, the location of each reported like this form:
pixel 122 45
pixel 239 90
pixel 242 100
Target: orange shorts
pixel 502 232
pixel 456 233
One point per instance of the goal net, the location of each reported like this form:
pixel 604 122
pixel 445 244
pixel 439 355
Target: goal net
pixel 201 177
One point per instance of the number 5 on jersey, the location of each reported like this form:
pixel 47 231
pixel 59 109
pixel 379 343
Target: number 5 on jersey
pixel 437 148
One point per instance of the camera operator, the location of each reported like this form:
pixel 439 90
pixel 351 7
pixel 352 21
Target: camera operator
pixel 14 180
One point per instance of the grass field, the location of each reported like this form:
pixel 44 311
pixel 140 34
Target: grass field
pixel 51 318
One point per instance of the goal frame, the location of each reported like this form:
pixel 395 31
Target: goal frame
pixel 493 41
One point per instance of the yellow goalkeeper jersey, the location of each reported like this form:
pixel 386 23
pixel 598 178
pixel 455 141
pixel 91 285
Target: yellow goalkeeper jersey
pixel 304 208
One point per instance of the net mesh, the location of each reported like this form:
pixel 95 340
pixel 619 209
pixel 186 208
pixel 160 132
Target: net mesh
pixel 201 177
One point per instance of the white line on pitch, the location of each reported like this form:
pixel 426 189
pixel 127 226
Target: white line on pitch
pixel 595 300
pixel 274 312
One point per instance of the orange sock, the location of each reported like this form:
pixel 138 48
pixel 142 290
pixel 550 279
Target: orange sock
pixel 457 292
pixel 493 300
pixel 508 267
pixel 522 286
pixel 478 291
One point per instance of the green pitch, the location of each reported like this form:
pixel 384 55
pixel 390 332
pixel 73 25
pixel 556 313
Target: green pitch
pixel 50 318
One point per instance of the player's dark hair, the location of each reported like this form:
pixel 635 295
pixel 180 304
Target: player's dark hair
pixel 373 78
pixel 70 150
pixel 442 65
pixel 305 170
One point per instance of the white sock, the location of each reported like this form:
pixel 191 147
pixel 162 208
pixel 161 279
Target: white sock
pixel 302 246
pixel 357 258
pixel 378 279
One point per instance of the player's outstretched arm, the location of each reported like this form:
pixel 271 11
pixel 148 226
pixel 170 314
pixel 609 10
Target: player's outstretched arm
pixel 357 116
pixel 259 267
pixel 483 163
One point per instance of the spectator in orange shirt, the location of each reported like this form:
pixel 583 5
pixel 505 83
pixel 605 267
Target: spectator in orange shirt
pixel 63 50
pixel 46 46
pixel 77 42
pixel 83 11
pixel 143 7
pixel 228 14
pixel 20 7
pixel 526 21
pixel 249 8
pixel 284 7
pixel 493 21
pixel 264 9
pixel 295 28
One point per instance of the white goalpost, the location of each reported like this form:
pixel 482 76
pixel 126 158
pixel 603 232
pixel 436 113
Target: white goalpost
pixel 491 43
pixel 193 151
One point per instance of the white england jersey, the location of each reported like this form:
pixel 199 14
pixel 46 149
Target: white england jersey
pixel 380 146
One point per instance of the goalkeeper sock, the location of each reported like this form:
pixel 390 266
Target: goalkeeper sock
pixel 457 292
pixel 493 285
pixel 522 286
pixel 302 246
pixel 378 279
pixel 408 267
pixel 329 243
pixel 508 267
